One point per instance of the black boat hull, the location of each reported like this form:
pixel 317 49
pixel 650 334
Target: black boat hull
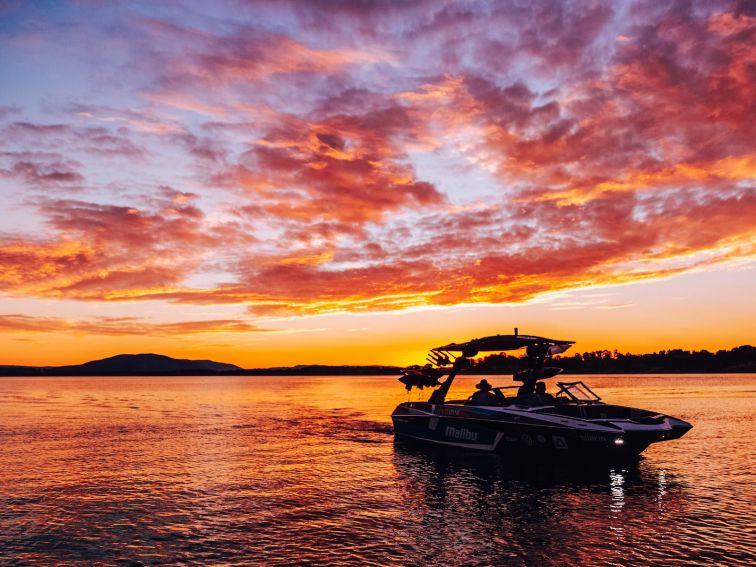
pixel 522 436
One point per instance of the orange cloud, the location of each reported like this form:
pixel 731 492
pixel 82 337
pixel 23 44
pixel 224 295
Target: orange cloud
pixel 107 250
pixel 117 326
pixel 345 169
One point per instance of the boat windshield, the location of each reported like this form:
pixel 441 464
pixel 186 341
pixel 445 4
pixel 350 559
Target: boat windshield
pixel 577 391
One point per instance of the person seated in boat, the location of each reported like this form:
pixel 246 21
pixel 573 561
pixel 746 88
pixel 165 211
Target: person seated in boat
pixel 540 392
pixel 528 384
pixel 484 396
pixel 533 393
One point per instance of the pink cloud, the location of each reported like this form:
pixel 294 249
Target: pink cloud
pixel 345 168
pixel 105 251
pixel 40 174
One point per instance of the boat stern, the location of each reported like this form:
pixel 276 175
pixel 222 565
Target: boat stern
pixel 443 425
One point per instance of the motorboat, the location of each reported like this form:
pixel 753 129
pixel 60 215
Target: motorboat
pixel 524 419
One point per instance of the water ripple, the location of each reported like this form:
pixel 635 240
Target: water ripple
pixel 239 471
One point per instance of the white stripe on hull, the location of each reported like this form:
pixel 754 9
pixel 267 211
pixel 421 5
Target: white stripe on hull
pixel 546 420
pixel 480 446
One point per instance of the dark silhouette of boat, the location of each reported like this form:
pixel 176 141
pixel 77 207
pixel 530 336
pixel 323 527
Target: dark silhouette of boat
pixel 573 423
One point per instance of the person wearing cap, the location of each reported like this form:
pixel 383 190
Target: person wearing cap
pixel 484 396
pixel 541 393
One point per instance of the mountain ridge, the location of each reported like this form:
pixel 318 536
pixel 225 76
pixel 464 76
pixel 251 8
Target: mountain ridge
pixel 129 364
pixel 150 364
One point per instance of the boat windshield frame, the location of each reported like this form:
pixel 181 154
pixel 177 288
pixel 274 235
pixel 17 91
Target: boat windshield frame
pixel 578 392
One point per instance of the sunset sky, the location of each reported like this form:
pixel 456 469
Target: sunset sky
pixel 285 182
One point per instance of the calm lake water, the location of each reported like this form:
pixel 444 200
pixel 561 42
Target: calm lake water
pixel 304 470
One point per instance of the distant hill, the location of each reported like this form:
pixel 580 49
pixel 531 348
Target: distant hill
pixel 142 363
pixel 161 365
pixel 128 364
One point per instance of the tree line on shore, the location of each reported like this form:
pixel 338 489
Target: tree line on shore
pixel 738 359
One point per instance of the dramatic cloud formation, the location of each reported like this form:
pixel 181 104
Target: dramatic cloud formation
pixel 111 251
pixel 308 157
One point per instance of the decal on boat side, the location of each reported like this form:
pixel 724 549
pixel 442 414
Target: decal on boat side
pixel 447 411
pixel 559 442
pixel 461 433
pixel 592 438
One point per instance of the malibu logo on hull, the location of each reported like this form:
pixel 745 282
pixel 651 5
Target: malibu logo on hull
pixel 463 434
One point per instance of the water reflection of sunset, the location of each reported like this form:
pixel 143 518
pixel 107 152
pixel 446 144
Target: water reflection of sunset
pixel 292 469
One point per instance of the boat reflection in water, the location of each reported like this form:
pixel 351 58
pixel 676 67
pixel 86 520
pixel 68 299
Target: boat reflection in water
pixel 490 512
pixel 573 424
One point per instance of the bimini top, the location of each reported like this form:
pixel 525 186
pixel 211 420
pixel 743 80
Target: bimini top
pixel 505 342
